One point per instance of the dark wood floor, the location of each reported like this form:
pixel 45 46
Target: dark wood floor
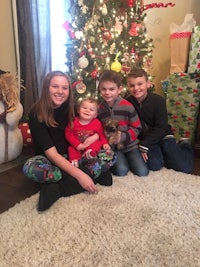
pixel 14 186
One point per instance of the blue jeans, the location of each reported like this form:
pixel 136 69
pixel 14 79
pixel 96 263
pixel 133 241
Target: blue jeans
pixel 132 161
pixel 167 153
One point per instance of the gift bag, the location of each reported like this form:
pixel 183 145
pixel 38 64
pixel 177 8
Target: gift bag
pixel 194 54
pixel 180 43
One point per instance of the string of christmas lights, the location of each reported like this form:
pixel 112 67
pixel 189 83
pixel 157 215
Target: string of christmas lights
pixel 107 34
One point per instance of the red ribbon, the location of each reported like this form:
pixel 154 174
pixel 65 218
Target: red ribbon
pixel 179 35
pixel 157 5
pixel 75 83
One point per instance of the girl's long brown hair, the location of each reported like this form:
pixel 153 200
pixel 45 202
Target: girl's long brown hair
pixel 44 106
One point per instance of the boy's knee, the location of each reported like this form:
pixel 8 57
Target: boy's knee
pixel 120 172
pixel 143 172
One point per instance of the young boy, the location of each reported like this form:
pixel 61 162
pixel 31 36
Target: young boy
pixel 84 125
pixel 90 158
pixel 115 107
pixel 157 143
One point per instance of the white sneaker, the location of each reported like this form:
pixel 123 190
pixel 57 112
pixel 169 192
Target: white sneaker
pixel 168 136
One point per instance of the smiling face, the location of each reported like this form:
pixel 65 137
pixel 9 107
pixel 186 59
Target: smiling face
pixel 87 111
pixel 59 90
pixel 138 87
pixel 109 91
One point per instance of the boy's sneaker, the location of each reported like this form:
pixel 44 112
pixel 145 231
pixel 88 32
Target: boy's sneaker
pixel 183 140
pixel 168 136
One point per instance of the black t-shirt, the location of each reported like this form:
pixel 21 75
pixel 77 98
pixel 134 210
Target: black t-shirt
pixel 45 137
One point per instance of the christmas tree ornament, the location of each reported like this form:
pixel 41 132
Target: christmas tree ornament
pixel 118 26
pixel 126 57
pixel 99 30
pixel 83 62
pixel 80 88
pixel 106 34
pixel 90 51
pixel 126 68
pixel 131 3
pixel 104 10
pixel 134 30
pixel 116 66
pixel 149 62
pixel 107 65
pixel 94 73
pixel 112 48
pixel 79 34
pixel 84 9
pixel 91 39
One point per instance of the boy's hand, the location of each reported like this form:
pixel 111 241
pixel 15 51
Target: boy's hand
pixel 106 146
pixel 91 139
pixel 80 147
pixel 145 156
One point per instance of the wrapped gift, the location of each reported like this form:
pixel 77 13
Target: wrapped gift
pixel 182 92
pixel 194 54
pixel 180 36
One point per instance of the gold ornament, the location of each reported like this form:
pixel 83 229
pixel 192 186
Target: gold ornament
pixel 116 66
pixel 81 88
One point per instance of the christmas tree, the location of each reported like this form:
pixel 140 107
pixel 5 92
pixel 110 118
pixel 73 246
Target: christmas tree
pixel 105 34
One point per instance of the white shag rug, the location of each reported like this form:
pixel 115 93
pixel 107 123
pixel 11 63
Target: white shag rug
pixel 141 222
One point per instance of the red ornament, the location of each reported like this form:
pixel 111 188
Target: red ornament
pixel 131 3
pixel 132 50
pixel 106 34
pixel 134 29
pixel 187 134
pixel 126 68
pixel 94 73
pixel 74 84
pixel 175 116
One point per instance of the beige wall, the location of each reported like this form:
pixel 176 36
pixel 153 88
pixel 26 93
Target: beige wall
pixel 158 21
pixel 7 47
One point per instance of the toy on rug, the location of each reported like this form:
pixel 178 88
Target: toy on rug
pixel 98 165
pixel 111 129
pixel 11 112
